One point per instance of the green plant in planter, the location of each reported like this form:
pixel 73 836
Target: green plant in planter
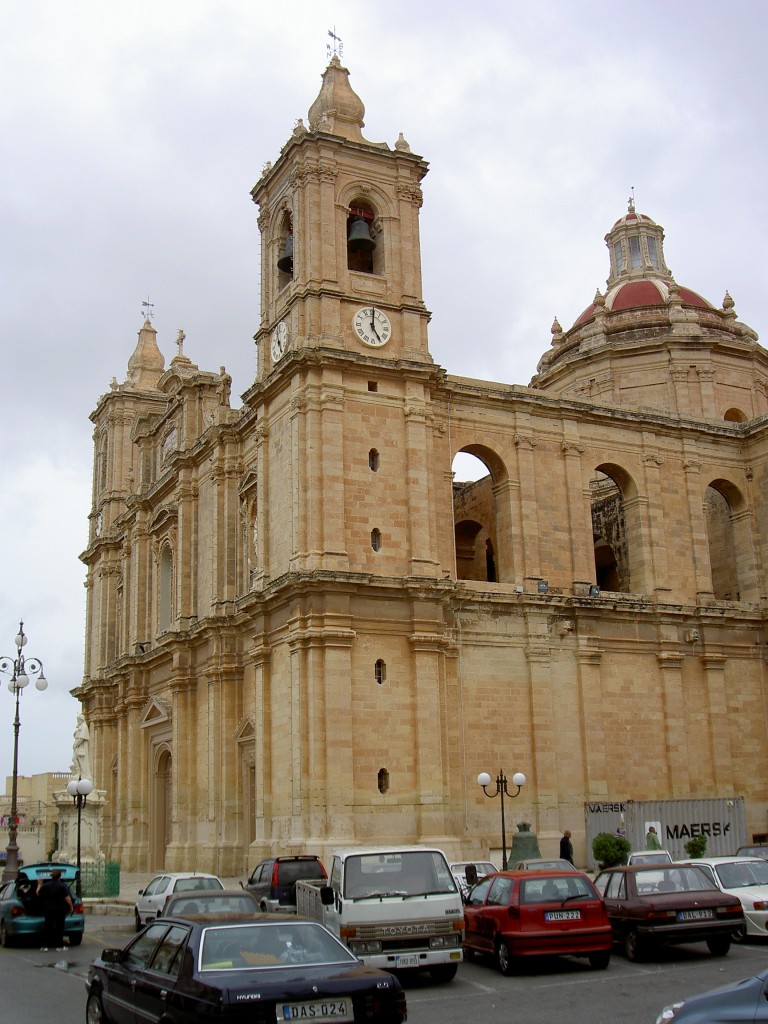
pixel 696 847
pixel 609 850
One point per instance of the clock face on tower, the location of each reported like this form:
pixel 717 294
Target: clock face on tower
pixel 279 341
pixel 372 326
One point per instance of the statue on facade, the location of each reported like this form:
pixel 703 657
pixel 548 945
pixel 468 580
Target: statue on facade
pixel 81 758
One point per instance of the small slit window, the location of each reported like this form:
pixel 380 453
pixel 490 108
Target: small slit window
pixel 383 780
pixel 380 671
pixel 373 460
pixel 376 539
pixel 373 385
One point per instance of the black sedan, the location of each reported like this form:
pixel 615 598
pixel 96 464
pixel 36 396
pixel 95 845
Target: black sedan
pixel 743 1002
pixel 259 970
pixel 667 904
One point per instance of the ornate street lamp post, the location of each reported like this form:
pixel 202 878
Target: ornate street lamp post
pixel 518 779
pixel 79 789
pixel 20 668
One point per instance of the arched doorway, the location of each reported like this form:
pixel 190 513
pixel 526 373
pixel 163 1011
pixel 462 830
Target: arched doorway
pixel 160 808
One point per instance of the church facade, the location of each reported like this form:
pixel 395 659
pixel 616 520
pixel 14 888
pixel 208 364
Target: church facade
pixel 302 633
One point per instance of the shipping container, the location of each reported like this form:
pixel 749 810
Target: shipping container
pixel 721 820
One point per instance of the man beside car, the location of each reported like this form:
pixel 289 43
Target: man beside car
pixel 55 903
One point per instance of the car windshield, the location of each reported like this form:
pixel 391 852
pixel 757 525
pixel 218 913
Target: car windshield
pixel 284 944
pixel 672 879
pixel 739 874
pixel 548 889
pixel 290 871
pixel 407 873
pixel 213 903
pixel 192 884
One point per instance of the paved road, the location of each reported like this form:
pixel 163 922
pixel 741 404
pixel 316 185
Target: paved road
pixel 559 992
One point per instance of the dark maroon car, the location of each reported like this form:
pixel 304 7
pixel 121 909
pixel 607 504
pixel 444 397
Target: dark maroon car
pixel 667 904
pixel 516 914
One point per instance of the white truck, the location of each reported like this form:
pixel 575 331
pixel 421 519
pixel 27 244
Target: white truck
pixel 396 908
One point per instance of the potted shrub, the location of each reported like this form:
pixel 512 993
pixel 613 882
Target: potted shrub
pixel 610 850
pixel 696 847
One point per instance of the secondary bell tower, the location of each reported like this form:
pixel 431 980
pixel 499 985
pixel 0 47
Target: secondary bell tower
pixel 339 220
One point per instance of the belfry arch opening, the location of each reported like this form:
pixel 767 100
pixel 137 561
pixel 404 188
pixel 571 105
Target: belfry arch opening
pixel 285 252
pixel 475 517
pixel 365 246
pixel 615 529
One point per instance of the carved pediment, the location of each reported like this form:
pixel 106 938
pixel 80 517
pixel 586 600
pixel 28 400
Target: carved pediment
pixel 246 731
pixel 163 519
pixel 156 712
pixel 249 482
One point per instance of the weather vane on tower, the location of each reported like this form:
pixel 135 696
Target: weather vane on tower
pixel 148 309
pixel 336 48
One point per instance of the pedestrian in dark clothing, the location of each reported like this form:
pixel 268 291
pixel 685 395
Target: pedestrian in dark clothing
pixel 566 847
pixel 55 903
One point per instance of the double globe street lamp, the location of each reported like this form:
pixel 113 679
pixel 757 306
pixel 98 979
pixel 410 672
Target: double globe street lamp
pixel 518 779
pixel 21 669
pixel 79 789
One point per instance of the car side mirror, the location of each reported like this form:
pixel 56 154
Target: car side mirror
pixel 326 895
pixel 112 956
pixel 470 873
pixel 141 892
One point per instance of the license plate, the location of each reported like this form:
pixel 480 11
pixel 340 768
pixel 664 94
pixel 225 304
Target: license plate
pixel 562 915
pixel 318 1010
pixel 694 915
pixel 407 960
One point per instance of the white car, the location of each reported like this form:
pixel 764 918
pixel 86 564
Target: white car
pixel 459 872
pixel 649 857
pixel 745 878
pixel 152 899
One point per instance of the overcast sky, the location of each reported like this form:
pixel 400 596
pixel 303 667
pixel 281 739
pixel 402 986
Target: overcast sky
pixel 133 133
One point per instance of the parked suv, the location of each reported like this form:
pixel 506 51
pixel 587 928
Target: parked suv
pixel 273 881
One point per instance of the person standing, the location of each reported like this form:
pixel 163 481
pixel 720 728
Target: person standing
pixel 55 903
pixel 652 841
pixel 566 847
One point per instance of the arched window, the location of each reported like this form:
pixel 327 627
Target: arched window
pixel 735 416
pixel 383 780
pixel 373 460
pixel 380 671
pixel 376 539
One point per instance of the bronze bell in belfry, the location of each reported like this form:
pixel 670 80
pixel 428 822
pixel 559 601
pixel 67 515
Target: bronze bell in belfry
pixel 359 237
pixel 285 263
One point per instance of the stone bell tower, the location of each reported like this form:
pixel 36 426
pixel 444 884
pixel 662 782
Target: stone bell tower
pixel 341 263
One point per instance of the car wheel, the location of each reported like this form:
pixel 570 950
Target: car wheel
pixel 75 940
pixel 443 972
pixel 719 945
pixel 504 958
pixel 633 947
pixel 137 919
pixel 599 961
pixel 5 938
pixel 94 1010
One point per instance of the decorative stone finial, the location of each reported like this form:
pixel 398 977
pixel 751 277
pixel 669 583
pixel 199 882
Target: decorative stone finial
pixel 728 301
pixel 402 145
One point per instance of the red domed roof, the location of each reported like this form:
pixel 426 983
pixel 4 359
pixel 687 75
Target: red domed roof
pixel 636 294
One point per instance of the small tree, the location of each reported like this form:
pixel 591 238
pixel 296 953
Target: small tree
pixel 696 847
pixel 609 850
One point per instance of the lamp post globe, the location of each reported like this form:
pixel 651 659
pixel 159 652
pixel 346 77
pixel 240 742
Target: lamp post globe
pixel 519 780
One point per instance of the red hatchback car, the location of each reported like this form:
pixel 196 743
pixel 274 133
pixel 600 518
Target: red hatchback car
pixel 516 914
